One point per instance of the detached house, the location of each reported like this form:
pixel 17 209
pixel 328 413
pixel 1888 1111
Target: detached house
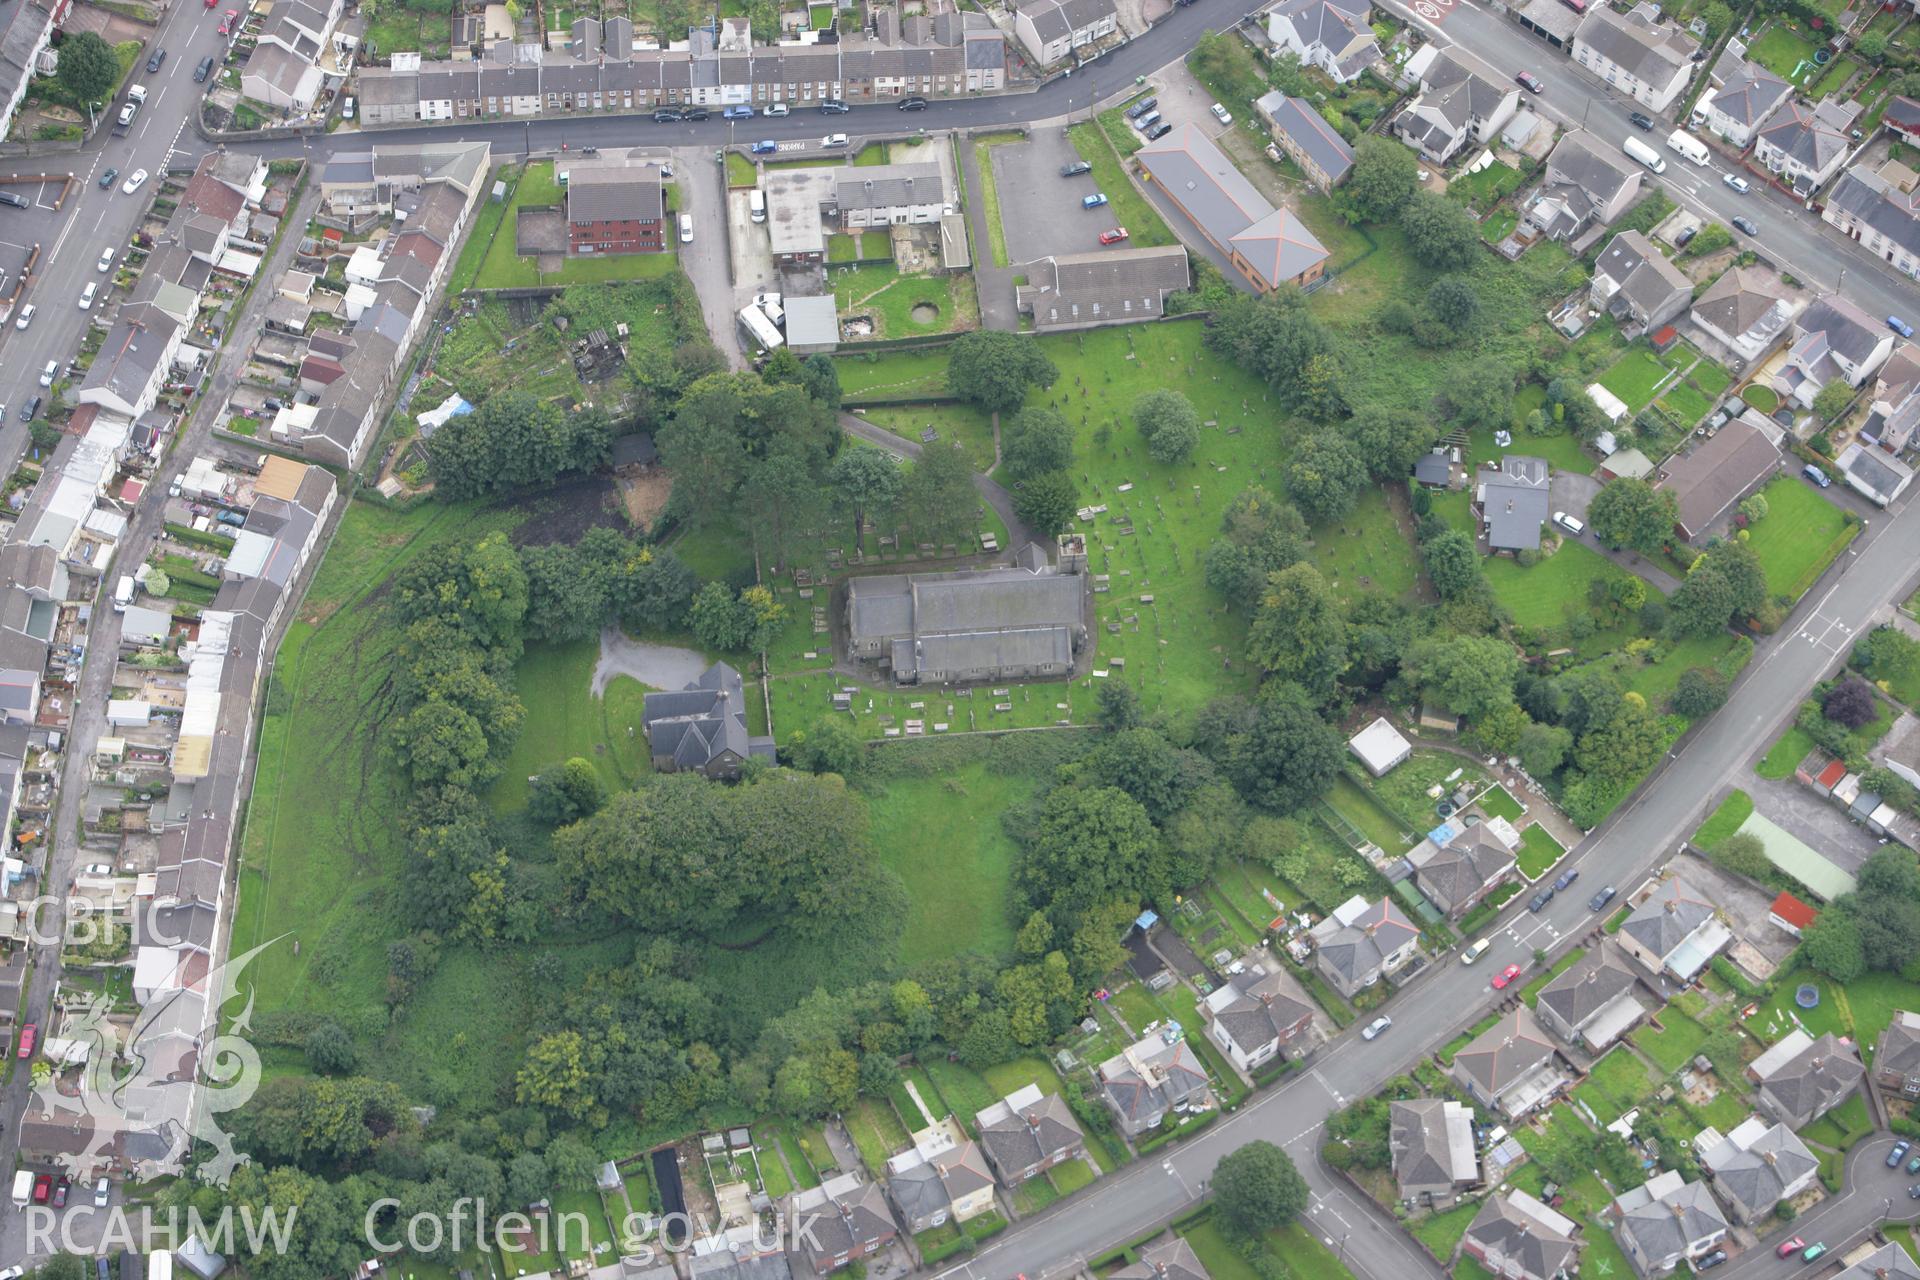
pixel 1517 1237
pixel 1674 932
pixel 703 726
pixel 1745 310
pixel 1334 36
pixel 615 208
pixel 1512 502
pixel 1361 942
pixel 1636 53
pixel 1635 284
pixel 1716 474
pixel 1454 108
pixel 1158 1076
pixel 1594 1002
pixel 1309 140
pixel 1666 1221
pixel 1458 866
pixel 1749 97
pixel 847 1219
pixel 1889 1262
pixel 1896 1059
pixel 1431 1144
pixel 1588 184
pixel 1027 1133
pixel 1833 338
pixel 1050 30
pixel 1803 146
pixel 1512 1066
pixel 1757 1166
pixel 1254 1018
pixel 1801 1079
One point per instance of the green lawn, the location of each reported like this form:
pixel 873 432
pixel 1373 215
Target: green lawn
pixel 964 424
pixel 1634 377
pixel 1499 803
pixel 1838 72
pixel 1441 1232
pixel 1482 190
pixel 1786 753
pixel 1375 822
pixel 1673 1045
pixel 1801 535
pixel 1543 596
pixel 877 1132
pixel 503 268
pixel 958 881
pixel 565 720
pixel 902 306
pixel 1784 52
pixel 1725 820
pixel 1538 851
pixel 1366 552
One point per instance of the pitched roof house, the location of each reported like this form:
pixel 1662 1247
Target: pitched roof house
pixel 845 1219
pixel 1513 501
pixel 1594 1002
pixel 1517 1237
pixel 939 1181
pixel 1113 286
pixel 1801 1079
pixel 1757 1166
pixel 1896 1057
pixel 1878 476
pixel 1028 1132
pixel 703 726
pixel 1512 1065
pixel 1803 146
pixel 1637 53
pixel 615 208
pixel 1430 1141
pixel 1721 470
pixel 1254 1017
pixel 1171 1259
pixel 1362 941
pixel 1049 30
pixel 1666 1221
pixel 1746 310
pixel 1308 138
pixel 1153 1078
pixel 1833 338
pixel 1744 103
pixel 1587 183
pixel 1889 1262
pixel 1269 247
pixel 1334 36
pixel 1454 107
pixel 1636 285
pixel 1457 866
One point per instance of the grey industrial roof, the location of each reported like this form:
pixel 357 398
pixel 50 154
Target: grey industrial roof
pixel 812 321
pixel 1280 247
pixel 1213 192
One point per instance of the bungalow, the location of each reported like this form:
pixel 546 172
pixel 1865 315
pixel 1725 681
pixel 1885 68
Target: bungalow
pixel 1454 107
pixel 1430 1141
pixel 1152 1079
pixel 1896 1057
pixel 1587 184
pixel 1309 140
pixel 847 1219
pixel 1757 1166
pixel 1254 1017
pixel 1516 1237
pixel 1879 477
pixel 1362 942
pixel 1803 147
pixel 1666 1221
pixel 1635 52
pixel 1707 482
pixel 1674 932
pixel 1744 102
pixel 1745 310
pixel 1027 1133
pixel 1334 36
pixel 1801 1079
pixel 1635 284
pixel 1594 1002
pixel 1513 502
pixel 1512 1066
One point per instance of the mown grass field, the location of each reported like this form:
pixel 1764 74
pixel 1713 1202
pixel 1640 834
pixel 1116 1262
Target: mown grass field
pixel 501 266
pixel 1801 535
pixel 566 720
pixel 943 837
pixel 1545 595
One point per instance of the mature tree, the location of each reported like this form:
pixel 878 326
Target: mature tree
pixel 565 601
pixel 1632 514
pixel 1452 563
pixel 89 70
pixel 1260 535
pixel 1543 748
pixel 440 743
pixel 1035 441
pixel 1441 233
pixel 1851 703
pixel 1257 1189
pixel 566 793
pixel 1832 944
pixel 1142 763
pixel 1391 441
pixel 1169 423
pixel 1699 692
pixel 558 1072
pixel 866 482
pixel 1326 475
pixel 1726 582
pixel 323 1218
pixel 1092 844
pixel 781 496
pixel 1480 394
pixel 821 377
pixel 1718 16
pixel 1277 338
pixel 719 620
pixel 1470 675
pixel 703 448
pixel 1300 631
pixel 1453 303
pixel 1288 756
pixel 1382 180
pixel 994 369
pixel 1117 704
pixel 1743 854
pixel 831 746
pixel 939 497
pixel 1047 502
pixel 1621 742
pixel 330 1050
pixel 1832 400
pixel 514 441
pixel 1887 653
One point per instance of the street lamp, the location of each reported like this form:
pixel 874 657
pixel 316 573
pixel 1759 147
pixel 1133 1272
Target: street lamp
pixel 92 121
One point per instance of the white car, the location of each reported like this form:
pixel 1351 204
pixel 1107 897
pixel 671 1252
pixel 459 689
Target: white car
pixel 1375 1027
pixel 101 1192
pixel 88 294
pixel 26 316
pixel 686 228
pixel 98 869
pixel 134 182
pixel 1738 183
pixel 1221 114
pixel 834 140
pixel 763 299
pixel 106 260
pixel 776 109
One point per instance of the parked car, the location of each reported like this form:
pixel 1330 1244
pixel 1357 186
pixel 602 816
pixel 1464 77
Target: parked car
pixel 1738 183
pixel 1572 524
pixel 1475 951
pixel 775 109
pixel 153 63
pixel 1913 1192
pixel 29 1034
pixel 833 107
pixel 915 103
pixel 205 69
pixel 1913 1165
pixel 1375 1027
pixel 135 180
pixel 1075 169
pixel 1114 236
pixel 765 148
pixel 1541 899
pixel 1816 475
pixel 42 1187
pixel 667 115
pixel 1531 82
pixel 739 112
pixel 1094 201
pixel 1790 1247
pixel 1567 877
pixel 1506 975
pixel 834 140
pixel 13 198
pixel 686 228
pixel 1141 108
pixel 48 374
pixel 106 259
pixel 1742 222
pixel 1221 114
pixel 1815 1250
pixel 693 115
pixel 1686 236
pixel 1900 326
pixel 1642 121
pixel 1159 131
pixel 1899 1153
pixel 60 1189
pixel 229 22
pixel 1599 901
pixel 88 294
pixel 1713 1259
pixel 106 179
pixel 28 412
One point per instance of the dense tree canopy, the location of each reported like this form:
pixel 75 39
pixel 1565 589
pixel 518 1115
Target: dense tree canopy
pixel 1035 441
pixel 994 369
pixel 1169 424
pixel 1632 514
pixel 1725 583
pixel 515 441
pixel 1382 180
pixel 1326 475
pixel 1288 756
pixel 1300 631
pixel 1257 1189
pixel 88 70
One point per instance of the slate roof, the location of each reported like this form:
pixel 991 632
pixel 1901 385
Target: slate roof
pixel 1586 988
pixel 1652 53
pixel 1093 288
pixel 1805 1083
pixel 1338 28
pixel 1505 1052
pixel 1750 94
pixel 888 186
pixel 935 1183
pixel 1058 19
pixel 1757 1174
pixel 699 722
pixel 1279 247
pixel 842 1214
pixel 1899 1047
pixel 1215 194
pixel 1172 1259
pixel 1888 1262
pixel 969 619
pixel 1361 947
pixel 1525 1232
pixel 1738 301
pixel 1515 500
pixel 1670 914
pixel 1798 134
pixel 1644 276
pixel 1669 1215
pixel 1017 1139
pixel 1452 873
pixel 1261 1010
pixel 1431 1142
pixel 1307 129
pixel 614 193
pixel 1713 477
pixel 1849 330
pixel 131 354
pixel 1586 176
pixel 1152 1076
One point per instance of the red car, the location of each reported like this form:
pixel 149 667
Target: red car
pixel 1790 1247
pixel 228 21
pixel 29 1037
pixel 42 1187
pixel 1505 976
pixel 1114 236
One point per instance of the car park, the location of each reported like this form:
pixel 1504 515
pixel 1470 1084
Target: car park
pixel 26 316
pixel 1738 183
pixel 1900 326
pixel 1531 82
pixel 1641 120
pixel 1094 201
pixel 135 180
pixel 205 69
pixel 1114 236
pixel 1599 901
pixel 776 109
pixel 1375 1027
pixel 1567 877
pixel 106 179
pixel 1815 1250
pixel 1147 121
pixel 1221 114
pixel 1159 131
pixel 1742 222
pixel 1788 1248
pixel 42 1187
pixel 765 148
pixel 1075 169
pixel 1541 899
pixel 915 103
pixel 153 63
pixel 1141 108
pixel 1506 975
pixel 1899 1153
pixel 1475 951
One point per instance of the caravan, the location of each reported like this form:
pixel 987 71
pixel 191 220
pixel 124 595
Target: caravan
pixel 1682 143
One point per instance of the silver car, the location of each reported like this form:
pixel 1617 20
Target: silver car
pixel 1375 1027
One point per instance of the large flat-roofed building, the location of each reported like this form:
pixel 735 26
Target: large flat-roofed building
pixel 1023 622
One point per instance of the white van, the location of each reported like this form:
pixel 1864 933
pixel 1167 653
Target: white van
pixel 123 593
pixel 757 205
pixel 686 228
pixel 1682 143
pixel 1572 524
pixel 1475 951
pixel 1645 154
pixel 48 374
pixel 87 295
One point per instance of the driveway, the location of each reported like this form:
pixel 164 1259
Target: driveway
pixel 1572 492
pixel 706 261
pixel 1039 209
pixel 752 252
pixel 658 666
